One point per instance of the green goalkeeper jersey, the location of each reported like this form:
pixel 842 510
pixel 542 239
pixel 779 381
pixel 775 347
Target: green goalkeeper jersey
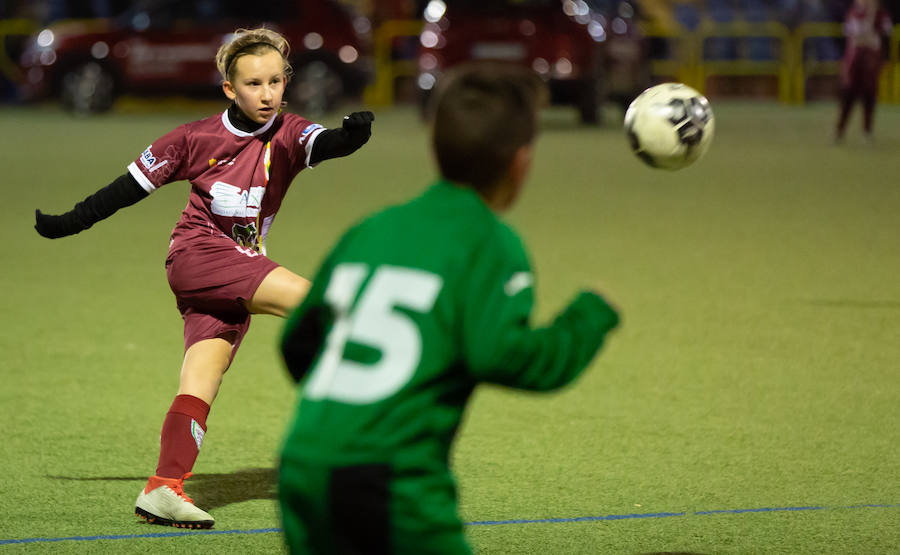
pixel 414 307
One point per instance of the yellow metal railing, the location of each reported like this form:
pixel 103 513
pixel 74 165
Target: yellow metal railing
pixel 387 70
pixel 792 68
pixel 687 64
pixel 11 27
pixel 807 68
pixel 894 64
pixel 779 68
pixel 683 65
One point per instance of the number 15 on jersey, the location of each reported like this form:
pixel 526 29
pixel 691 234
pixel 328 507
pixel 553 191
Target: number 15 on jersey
pixel 374 322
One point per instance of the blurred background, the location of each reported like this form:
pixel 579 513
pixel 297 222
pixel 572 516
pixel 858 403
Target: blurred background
pixel 90 55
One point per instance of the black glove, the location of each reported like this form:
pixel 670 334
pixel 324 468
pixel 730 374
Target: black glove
pixel 122 192
pixel 358 126
pixel 334 143
pixel 54 227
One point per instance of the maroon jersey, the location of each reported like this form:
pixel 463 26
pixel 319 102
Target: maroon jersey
pixel 238 179
pixel 866 27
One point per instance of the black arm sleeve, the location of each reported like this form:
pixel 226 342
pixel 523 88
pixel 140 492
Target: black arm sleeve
pixel 122 192
pixel 334 143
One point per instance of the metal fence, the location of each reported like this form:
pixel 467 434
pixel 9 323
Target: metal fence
pixel 735 49
pixel 791 56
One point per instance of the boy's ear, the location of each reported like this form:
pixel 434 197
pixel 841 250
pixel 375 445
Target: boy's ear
pixel 517 174
pixel 228 89
pixel 521 164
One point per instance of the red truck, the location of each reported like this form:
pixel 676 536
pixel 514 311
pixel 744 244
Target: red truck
pixel 589 52
pixel 169 47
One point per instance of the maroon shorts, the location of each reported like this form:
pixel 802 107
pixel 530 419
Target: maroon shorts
pixel 861 71
pixel 211 278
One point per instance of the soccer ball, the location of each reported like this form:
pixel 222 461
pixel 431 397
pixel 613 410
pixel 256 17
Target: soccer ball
pixel 669 126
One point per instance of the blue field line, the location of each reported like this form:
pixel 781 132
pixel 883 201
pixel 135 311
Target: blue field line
pixel 760 510
pixel 573 519
pixel 474 523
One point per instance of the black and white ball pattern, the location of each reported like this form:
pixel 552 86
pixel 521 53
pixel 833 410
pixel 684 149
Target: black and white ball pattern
pixel 669 126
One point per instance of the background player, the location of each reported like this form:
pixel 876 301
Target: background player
pixel 399 327
pixel 240 164
pixel 868 28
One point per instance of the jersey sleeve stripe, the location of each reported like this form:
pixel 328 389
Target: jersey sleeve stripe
pixel 139 176
pixel 309 146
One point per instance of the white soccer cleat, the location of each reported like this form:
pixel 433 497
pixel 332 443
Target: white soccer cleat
pixel 163 502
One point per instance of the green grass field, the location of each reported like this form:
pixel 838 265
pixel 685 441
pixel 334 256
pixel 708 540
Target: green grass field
pixel 749 404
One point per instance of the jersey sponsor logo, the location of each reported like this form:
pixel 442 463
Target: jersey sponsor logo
pixel 245 235
pixel 309 129
pixel 234 202
pixel 517 283
pixel 197 433
pixel 147 158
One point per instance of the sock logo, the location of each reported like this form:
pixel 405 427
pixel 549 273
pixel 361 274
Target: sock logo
pixel 197 432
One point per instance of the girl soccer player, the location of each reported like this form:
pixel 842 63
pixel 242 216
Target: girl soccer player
pixel 240 164
pixel 867 27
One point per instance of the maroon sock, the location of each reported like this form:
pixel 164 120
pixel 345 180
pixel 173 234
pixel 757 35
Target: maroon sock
pixel 846 102
pixel 181 436
pixel 868 112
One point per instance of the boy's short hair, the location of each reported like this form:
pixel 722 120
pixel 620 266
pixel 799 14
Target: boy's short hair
pixel 482 113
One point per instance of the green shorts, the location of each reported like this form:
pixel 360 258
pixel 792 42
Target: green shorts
pixel 368 508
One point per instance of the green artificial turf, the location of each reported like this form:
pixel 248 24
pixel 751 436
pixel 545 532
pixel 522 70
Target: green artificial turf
pixel 756 368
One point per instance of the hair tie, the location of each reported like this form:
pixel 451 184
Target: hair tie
pixel 234 56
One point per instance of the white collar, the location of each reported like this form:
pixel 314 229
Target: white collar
pixel 234 130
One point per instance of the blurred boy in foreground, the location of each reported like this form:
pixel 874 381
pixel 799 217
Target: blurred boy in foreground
pixel 410 311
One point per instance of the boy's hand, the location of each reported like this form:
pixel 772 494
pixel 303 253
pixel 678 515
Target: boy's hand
pixel 602 291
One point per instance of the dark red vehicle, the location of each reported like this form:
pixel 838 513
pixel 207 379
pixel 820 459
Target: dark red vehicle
pixel 589 52
pixel 169 47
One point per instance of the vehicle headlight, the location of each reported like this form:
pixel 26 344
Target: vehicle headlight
pixel 348 54
pixel 426 81
pixel 45 38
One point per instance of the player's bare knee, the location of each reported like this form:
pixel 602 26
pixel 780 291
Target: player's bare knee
pixel 298 290
pixel 289 297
